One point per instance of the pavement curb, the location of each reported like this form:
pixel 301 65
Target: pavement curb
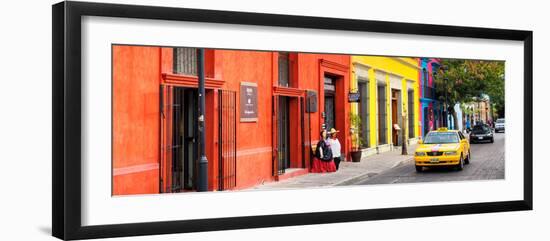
pixel 402 162
pixel 366 175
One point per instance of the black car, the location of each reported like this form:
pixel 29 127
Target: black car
pixel 481 133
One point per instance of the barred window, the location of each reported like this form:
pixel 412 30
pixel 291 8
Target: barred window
pixel 284 69
pixel 185 61
pixel 411 113
pixel 382 116
pixel 364 111
pixel 426 78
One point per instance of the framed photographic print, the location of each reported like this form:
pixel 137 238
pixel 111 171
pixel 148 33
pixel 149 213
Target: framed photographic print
pixel 171 120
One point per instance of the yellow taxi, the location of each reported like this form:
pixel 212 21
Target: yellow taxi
pixel 442 147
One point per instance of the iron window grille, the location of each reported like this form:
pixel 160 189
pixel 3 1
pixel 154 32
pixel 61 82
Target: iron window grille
pixel 185 61
pixel 382 115
pixel 227 152
pixel 284 69
pixel 410 109
pixel 364 111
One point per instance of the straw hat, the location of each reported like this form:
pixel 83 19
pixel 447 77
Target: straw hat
pixel 332 131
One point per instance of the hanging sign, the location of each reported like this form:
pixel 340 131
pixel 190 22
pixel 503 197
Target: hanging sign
pixel 354 97
pixel 249 102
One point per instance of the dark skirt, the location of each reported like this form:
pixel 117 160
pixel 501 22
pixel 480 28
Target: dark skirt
pixel 323 166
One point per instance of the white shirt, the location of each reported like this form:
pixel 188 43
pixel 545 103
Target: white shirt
pixel 335 147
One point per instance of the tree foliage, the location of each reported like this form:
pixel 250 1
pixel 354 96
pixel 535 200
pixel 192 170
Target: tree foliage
pixel 464 80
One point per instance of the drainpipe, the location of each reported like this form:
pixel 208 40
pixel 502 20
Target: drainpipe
pixel 203 162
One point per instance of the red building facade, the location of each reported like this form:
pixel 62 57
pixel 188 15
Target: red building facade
pixel 155 130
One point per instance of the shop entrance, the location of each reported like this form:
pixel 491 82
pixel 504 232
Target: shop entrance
pixel 184 147
pixel 395 117
pixel 288 135
pixel 179 140
pixel 283 133
pixel 329 102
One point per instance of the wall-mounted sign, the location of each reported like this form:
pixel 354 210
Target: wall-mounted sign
pixel 249 102
pixel 354 97
pixel 311 101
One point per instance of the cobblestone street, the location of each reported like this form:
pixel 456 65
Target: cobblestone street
pixel 487 163
pixel 392 167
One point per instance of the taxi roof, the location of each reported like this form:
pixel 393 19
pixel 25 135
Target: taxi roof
pixel 444 129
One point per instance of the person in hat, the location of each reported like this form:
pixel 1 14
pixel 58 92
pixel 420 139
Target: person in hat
pixel 322 162
pixel 335 147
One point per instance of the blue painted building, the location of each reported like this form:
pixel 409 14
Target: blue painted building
pixel 431 110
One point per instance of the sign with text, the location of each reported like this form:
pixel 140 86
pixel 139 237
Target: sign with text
pixel 249 102
pixel 354 97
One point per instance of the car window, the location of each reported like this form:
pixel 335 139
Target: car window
pixel 481 128
pixel 441 138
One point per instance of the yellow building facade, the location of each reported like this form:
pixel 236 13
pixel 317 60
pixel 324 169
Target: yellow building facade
pixel 389 91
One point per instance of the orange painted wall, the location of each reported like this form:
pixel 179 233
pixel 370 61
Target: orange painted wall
pixel 310 77
pixel 135 119
pixel 254 153
pixel 137 75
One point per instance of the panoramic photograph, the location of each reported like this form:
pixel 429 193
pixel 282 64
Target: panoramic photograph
pixel 188 119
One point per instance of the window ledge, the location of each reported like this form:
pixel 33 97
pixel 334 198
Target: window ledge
pixel 191 81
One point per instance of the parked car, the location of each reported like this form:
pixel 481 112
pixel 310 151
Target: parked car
pixel 499 125
pixel 442 147
pixel 481 133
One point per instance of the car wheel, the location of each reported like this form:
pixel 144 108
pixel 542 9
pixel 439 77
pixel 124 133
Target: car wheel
pixel 492 140
pixel 418 168
pixel 468 158
pixel 460 165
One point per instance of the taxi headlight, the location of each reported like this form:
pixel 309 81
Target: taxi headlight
pixel 450 153
pixel 420 153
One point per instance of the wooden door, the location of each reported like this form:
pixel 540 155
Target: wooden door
pixel 394 120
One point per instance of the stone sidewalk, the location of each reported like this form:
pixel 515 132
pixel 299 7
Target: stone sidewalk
pixel 347 173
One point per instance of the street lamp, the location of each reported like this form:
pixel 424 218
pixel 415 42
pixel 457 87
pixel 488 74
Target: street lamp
pixel 203 162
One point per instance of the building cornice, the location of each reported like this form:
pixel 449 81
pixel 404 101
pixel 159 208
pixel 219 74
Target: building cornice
pixel 191 81
pixel 288 91
pixel 401 60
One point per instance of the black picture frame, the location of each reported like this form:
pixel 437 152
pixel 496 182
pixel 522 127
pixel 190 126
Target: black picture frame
pixel 66 75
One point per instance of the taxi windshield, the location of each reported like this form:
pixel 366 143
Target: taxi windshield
pixel 441 138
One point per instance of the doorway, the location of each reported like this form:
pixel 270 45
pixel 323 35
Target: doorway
pixel 184 141
pixel 329 102
pixel 283 133
pixel 395 117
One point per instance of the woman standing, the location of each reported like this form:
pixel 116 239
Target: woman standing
pixel 335 147
pixel 323 156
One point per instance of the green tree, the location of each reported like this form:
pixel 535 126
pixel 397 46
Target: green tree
pixel 461 81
